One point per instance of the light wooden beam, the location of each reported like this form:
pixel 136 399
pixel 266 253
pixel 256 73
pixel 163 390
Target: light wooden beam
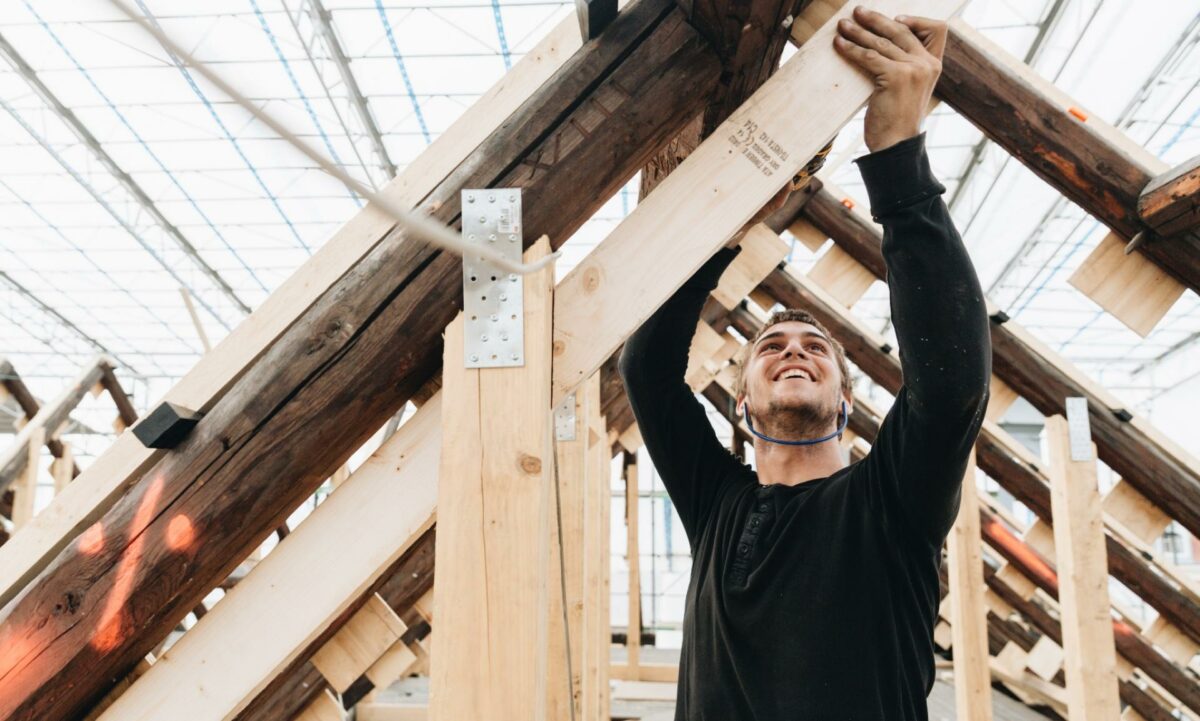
pixel 968 614
pixel 491 596
pixel 565 575
pixel 633 633
pixel 1083 581
pixel 597 508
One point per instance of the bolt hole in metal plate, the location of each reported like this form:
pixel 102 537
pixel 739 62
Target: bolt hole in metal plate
pixel 493 299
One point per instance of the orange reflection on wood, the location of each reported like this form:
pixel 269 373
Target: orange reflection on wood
pixel 91 541
pixel 110 629
pixel 181 534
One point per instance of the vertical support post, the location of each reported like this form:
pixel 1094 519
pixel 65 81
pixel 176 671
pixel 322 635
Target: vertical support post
pixel 633 636
pixel 62 467
pixel 26 485
pixel 490 597
pixel 968 612
pixel 597 509
pixel 1082 567
pixel 565 654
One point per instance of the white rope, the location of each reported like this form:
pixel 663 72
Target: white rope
pixel 416 224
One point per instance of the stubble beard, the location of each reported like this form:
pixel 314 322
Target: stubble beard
pixel 800 419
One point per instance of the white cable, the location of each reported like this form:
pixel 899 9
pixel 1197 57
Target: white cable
pixel 416 224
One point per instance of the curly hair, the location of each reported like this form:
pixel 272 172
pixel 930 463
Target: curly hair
pixel 784 316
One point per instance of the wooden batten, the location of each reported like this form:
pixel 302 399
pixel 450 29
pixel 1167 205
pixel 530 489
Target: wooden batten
pixel 1130 287
pixel 597 508
pixel 366 637
pixel 762 250
pixel 842 276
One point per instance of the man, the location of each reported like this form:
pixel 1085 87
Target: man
pixel 814 585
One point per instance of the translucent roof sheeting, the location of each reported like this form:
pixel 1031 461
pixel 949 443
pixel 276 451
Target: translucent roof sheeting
pixel 227 210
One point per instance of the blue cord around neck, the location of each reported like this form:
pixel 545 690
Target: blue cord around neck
pixel 814 441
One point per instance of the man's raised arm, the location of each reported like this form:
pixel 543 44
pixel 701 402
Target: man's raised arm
pixel 937 303
pixel 693 464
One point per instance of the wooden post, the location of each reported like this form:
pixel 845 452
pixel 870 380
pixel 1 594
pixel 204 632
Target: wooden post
pixel 633 635
pixel 26 485
pixel 968 614
pixel 565 573
pixel 597 508
pixel 1083 576
pixel 490 595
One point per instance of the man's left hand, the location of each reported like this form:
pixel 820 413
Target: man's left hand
pixel 904 59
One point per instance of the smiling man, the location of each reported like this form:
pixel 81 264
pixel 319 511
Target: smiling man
pixel 814 585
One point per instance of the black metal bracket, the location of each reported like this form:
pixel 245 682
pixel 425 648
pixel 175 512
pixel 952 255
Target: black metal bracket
pixel 166 426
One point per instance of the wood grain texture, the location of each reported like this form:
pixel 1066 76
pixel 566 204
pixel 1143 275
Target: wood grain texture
pixel 491 596
pixel 968 615
pixel 1083 579
pixel 1170 203
pixel 1093 164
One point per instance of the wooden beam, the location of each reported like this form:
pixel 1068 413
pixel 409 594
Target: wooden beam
pixel 1093 164
pixel 216 372
pixel 360 643
pixel 25 503
pixel 711 196
pixel 342 355
pixel 232 653
pixel 633 633
pixel 491 596
pixel 1083 588
pixel 597 629
pixel 1139 298
pixel 565 575
pixel 1169 204
pixel 968 615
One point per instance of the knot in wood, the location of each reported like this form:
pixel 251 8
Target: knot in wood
pixel 591 279
pixel 559 348
pixel 531 464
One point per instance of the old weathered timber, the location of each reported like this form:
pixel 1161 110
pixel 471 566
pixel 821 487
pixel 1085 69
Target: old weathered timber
pixel 1171 483
pixel 1170 203
pixel 1081 157
pixel 240 473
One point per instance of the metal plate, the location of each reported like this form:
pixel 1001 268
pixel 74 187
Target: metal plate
pixel 564 419
pixel 1079 430
pixel 493 300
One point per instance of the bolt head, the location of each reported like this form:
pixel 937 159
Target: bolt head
pixel 495 317
pixel 514 356
pixel 504 336
pixel 484 338
pixel 482 219
pixel 474 358
pixel 503 296
pixel 491 199
pixel 470 198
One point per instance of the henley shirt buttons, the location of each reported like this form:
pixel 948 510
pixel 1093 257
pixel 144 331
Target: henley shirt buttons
pixel 763 507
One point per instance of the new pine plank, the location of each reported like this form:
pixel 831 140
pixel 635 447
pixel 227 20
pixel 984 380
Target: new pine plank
pixel 968 614
pixel 1083 581
pixel 491 596
pixel 698 208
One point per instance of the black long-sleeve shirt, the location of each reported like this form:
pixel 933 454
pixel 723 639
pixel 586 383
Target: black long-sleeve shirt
pixel 816 602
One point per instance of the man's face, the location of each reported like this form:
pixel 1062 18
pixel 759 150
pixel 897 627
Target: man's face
pixel 792 369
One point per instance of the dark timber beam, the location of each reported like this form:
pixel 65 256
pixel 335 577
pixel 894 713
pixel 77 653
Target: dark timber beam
pixel 1087 162
pixel 1170 203
pixel 357 354
pixel 1169 482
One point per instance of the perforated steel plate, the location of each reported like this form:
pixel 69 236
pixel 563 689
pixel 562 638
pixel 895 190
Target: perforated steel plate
pixel 493 299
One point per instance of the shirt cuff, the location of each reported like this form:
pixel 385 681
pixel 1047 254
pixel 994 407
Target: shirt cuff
pixel 898 176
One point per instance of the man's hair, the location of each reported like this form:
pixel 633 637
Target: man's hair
pixel 784 316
